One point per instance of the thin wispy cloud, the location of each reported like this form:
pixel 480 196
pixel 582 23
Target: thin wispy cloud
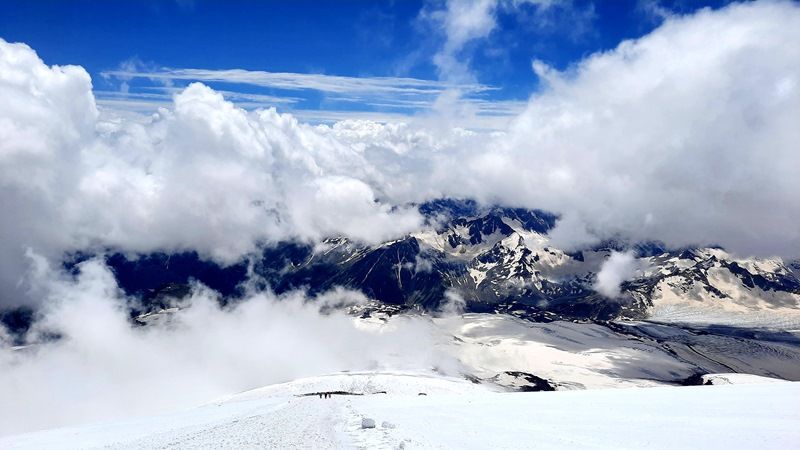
pixel 303 81
pixel 377 98
pixel 159 97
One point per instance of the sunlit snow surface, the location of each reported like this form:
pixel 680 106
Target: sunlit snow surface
pixel 583 355
pixel 457 414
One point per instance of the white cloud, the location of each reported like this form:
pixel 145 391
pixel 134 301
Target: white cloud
pixel 676 136
pixel 379 100
pixel 392 93
pixel 616 269
pixel 422 265
pixel 382 99
pixel 202 175
pixel 464 21
pixel 334 84
pixel 102 367
pixel 161 97
pixel 672 137
pixel 454 304
pixel 654 10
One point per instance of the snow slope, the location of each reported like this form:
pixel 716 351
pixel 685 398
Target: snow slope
pixel 456 414
pixel 584 355
pixel 572 355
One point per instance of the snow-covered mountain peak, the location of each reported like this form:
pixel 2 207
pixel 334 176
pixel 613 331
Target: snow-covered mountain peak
pixel 502 259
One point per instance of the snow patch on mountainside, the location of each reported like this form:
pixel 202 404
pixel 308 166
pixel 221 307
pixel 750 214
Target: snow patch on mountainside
pixel 717 313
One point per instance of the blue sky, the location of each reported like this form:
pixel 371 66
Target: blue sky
pixel 115 41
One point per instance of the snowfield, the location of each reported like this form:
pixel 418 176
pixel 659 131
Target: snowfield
pixel 455 413
pixel 590 356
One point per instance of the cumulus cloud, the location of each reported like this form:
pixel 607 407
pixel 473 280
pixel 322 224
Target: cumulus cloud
pixel 616 269
pixel 674 136
pixel 103 367
pixel 671 137
pixel 203 175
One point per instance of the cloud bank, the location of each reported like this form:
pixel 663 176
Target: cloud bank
pixel 203 175
pixel 687 135
pixel 103 368
pixel 673 137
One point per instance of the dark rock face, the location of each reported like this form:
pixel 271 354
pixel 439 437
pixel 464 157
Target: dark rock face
pixel 146 275
pixel 449 208
pixel 17 322
pixel 413 273
pixel 524 381
pixel 390 273
pixel 695 380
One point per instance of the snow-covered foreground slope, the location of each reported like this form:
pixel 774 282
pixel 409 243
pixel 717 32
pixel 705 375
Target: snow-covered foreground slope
pixel 456 414
pixel 494 349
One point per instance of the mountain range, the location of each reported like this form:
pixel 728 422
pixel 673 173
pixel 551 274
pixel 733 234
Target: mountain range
pixel 491 259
